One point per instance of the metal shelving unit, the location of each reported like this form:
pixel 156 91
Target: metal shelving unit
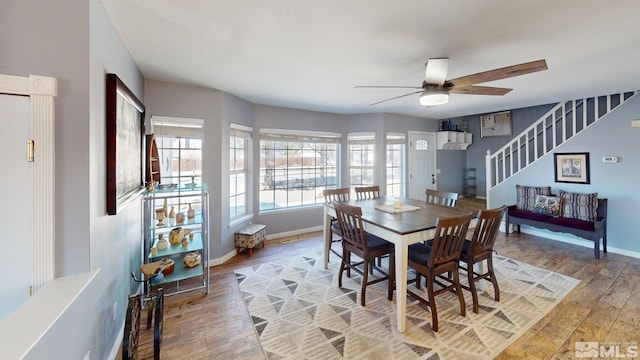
pixel 180 198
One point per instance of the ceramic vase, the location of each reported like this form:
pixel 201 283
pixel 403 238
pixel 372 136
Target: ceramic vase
pixel 191 214
pixel 163 244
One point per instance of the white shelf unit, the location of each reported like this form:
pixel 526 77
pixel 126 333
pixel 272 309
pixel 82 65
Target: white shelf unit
pixel 453 140
pixel 179 197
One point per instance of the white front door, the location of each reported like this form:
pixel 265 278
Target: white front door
pixel 15 212
pixel 422 164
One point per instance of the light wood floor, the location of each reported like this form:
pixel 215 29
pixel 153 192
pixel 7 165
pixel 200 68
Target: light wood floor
pixel 603 307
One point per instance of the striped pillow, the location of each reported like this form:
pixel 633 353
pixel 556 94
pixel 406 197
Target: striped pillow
pixel 578 206
pixel 526 196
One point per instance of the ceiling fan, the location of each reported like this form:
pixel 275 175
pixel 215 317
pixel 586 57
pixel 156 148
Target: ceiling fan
pixel 435 88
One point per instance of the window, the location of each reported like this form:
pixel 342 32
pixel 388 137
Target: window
pixel 239 152
pixel 395 164
pixel 179 142
pixel 361 159
pixel 295 166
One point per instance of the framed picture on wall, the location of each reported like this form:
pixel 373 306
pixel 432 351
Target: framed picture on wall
pixel 125 139
pixel 498 124
pixel 572 167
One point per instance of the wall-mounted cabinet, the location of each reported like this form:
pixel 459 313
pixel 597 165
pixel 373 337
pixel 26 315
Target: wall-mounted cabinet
pixel 453 140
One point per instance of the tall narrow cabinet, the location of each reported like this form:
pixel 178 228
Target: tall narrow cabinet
pixel 180 199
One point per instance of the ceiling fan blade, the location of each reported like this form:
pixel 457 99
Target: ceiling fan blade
pixel 479 90
pixel 436 72
pixel 501 73
pixel 395 97
pixel 385 87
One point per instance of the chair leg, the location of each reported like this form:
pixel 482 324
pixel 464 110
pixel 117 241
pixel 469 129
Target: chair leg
pixel 494 281
pixel 456 278
pixel 342 266
pixel 432 304
pixel 419 278
pixel 472 287
pixel 365 279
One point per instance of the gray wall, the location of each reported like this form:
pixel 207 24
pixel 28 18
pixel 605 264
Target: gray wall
pixel 474 157
pixel 74 42
pixel 610 136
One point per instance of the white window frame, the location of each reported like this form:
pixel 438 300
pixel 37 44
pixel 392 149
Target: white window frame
pixel 395 145
pixel 362 151
pixel 245 134
pixel 186 130
pixel 302 184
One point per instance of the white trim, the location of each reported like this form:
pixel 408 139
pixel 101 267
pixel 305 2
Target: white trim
pixel 42 91
pixel 176 121
pixel 226 257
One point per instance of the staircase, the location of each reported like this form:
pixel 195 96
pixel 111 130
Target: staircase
pixel 555 127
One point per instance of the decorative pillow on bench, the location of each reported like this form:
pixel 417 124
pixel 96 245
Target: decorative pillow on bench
pixel 526 196
pixel 579 206
pixel 547 205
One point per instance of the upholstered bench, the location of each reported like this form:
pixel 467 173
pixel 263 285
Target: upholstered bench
pixel 250 236
pixel 582 215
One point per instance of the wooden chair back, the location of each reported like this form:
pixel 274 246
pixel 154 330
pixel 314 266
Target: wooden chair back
pixel 448 240
pixel 331 195
pixel 350 222
pixel 367 192
pixel 442 197
pixel 486 230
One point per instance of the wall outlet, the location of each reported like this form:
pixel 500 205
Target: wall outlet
pixel 609 159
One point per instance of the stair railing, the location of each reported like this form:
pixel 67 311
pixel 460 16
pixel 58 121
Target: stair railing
pixel 552 129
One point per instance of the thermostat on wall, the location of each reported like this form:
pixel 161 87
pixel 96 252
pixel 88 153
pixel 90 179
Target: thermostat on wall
pixel 609 159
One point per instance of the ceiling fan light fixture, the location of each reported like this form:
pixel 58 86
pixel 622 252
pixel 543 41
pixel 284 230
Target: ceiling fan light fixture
pixel 433 97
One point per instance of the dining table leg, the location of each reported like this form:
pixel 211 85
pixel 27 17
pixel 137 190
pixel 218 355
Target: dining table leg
pixel 327 238
pixel 401 253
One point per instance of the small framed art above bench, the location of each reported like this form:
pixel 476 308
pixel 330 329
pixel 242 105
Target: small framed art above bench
pixel 582 215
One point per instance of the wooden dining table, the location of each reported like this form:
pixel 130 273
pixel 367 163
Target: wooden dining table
pixel 414 222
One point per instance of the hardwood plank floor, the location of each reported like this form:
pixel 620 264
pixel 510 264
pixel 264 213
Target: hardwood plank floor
pixel 603 307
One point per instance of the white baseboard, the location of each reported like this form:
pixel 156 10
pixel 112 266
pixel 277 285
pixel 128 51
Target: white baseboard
pixel 232 253
pixel 571 239
pixel 118 342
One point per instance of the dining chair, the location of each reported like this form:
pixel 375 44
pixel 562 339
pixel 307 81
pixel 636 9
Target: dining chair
pixel 437 257
pixel 442 197
pixel 480 248
pixel 366 246
pixel 367 192
pixel 331 195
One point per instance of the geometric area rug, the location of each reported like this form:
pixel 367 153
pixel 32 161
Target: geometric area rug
pixel 299 312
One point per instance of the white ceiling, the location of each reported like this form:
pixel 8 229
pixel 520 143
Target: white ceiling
pixel 309 54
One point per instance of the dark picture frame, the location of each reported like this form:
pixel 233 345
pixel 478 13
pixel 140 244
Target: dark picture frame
pixel 572 168
pixel 125 145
